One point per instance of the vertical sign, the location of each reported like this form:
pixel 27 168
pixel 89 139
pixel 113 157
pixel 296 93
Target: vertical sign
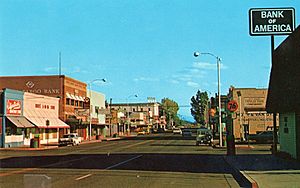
pixel 271 21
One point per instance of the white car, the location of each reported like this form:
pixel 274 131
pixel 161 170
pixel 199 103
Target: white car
pixel 71 138
pixel 177 131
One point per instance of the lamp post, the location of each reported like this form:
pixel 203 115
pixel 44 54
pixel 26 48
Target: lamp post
pixel 196 54
pixel 90 91
pixel 128 119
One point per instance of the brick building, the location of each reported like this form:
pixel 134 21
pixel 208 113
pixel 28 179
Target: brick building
pixel 70 91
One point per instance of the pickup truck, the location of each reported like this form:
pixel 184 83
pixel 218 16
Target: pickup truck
pixel 68 139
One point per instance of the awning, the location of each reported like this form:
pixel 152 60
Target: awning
pixel 40 122
pixel 81 98
pixel 70 96
pixel 77 98
pixel 20 122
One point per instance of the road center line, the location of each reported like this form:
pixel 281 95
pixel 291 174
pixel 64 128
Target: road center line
pixel 123 162
pixel 82 177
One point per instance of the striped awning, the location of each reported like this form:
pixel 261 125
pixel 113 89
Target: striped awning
pixel 20 122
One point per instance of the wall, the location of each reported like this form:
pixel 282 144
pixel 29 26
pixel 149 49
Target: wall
pixel 287 133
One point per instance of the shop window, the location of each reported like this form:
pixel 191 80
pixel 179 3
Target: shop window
pixel 76 103
pixel 72 102
pixel 80 103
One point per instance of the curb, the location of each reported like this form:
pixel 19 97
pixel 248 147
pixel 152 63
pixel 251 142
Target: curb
pixel 29 149
pixel 242 177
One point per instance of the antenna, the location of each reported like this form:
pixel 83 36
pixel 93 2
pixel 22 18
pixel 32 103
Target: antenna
pixel 59 65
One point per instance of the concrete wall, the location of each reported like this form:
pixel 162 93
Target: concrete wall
pixel 287 133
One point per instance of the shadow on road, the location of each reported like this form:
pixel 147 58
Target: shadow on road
pixel 190 163
pixel 263 162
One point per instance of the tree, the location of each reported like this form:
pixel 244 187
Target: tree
pixel 199 105
pixel 170 109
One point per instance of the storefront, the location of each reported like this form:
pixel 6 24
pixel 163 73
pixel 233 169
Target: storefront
pixel 71 93
pixel 43 112
pixel 15 129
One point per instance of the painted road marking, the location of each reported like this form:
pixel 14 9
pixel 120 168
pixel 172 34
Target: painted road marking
pixel 17 172
pixel 136 144
pixel 118 164
pixel 82 177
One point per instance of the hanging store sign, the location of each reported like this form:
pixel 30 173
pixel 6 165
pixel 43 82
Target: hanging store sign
pixel 13 107
pixel 272 21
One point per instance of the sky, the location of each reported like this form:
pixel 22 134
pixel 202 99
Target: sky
pixel 140 47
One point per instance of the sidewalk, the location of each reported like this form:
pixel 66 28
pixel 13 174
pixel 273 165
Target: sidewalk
pixel 266 170
pixel 56 145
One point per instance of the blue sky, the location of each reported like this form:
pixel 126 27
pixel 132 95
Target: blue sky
pixel 141 47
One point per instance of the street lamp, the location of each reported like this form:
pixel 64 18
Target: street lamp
pixel 128 119
pixel 196 54
pixel 90 88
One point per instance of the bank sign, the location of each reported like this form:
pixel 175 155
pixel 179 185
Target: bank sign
pixel 271 21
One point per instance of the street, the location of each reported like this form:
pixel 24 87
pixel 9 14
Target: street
pixel 160 160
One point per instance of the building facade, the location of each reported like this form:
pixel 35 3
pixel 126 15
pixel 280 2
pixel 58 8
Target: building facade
pixel 138 115
pixel 98 113
pixel 284 93
pixel 25 115
pixel 251 116
pixel 71 92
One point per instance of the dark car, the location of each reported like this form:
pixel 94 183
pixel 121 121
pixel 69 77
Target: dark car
pixel 262 137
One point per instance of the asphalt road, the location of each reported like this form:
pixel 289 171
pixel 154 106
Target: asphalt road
pixel 144 161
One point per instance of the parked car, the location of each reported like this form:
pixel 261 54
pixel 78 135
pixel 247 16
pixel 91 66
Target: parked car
pixel 186 133
pixel 262 137
pixel 143 132
pixel 204 136
pixel 177 131
pixel 70 139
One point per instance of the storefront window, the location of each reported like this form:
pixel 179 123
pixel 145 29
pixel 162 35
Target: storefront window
pixel 72 102
pixel 76 103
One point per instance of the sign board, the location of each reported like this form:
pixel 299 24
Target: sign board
pixel 103 111
pixel 271 21
pixel 82 112
pixel 232 106
pixel 13 107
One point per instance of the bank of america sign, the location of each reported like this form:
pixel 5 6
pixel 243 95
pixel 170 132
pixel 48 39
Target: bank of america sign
pixel 271 21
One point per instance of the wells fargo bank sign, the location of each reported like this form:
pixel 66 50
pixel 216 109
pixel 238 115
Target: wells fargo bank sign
pixel 31 87
pixel 13 107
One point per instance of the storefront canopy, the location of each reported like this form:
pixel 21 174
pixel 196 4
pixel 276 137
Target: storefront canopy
pixel 41 122
pixel 20 122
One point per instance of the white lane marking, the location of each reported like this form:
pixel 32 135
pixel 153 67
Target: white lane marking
pixel 82 177
pixel 118 164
